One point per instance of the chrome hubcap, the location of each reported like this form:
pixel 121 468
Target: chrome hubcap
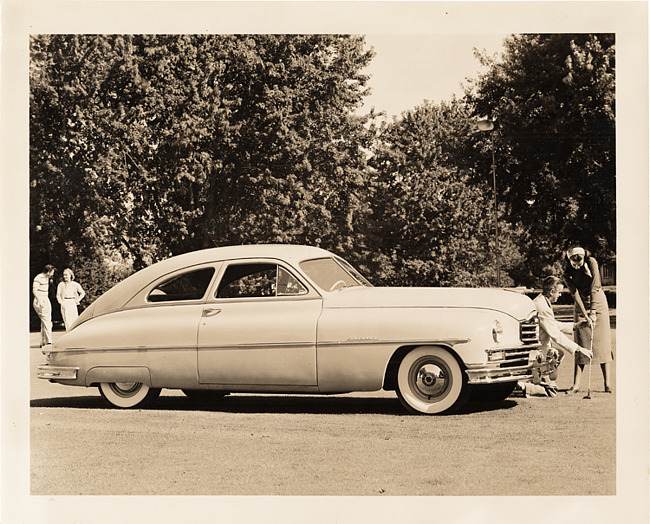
pixel 431 380
pixel 125 389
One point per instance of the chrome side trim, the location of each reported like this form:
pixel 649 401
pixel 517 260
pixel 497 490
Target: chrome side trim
pixel 361 341
pixel 374 342
pixel 131 348
pixel 277 345
pixel 272 346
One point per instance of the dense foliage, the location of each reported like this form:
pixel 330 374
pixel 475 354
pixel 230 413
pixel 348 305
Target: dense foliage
pixel 146 146
pixel 553 98
pixel 430 223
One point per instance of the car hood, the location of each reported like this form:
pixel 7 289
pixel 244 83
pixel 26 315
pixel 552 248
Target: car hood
pixel 513 303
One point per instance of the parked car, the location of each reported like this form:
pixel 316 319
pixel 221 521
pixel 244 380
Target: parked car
pixel 294 319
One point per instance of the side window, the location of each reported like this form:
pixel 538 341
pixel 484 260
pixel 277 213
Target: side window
pixel 187 286
pixel 258 280
pixel 288 284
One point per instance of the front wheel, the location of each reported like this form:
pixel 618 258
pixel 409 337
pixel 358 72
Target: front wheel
pixel 128 394
pixel 430 381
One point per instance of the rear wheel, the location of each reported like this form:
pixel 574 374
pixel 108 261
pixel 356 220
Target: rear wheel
pixel 128 394
pixel 431 381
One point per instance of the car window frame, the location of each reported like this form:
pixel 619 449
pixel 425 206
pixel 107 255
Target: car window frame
pixel 140 299
pixel 310 294
pixel 345 266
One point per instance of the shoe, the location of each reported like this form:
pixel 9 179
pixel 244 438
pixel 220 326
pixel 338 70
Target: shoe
pixel 551 390
pixel 572 391
pixel 608 389
pixel 521 386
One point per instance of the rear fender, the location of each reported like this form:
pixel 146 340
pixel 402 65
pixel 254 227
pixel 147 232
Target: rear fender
pixel 118 374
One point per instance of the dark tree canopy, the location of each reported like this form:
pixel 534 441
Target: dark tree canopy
pixel 146 146
pixel 553 97
pixel 432 226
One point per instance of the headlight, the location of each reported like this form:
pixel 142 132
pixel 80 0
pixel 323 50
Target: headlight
pixel 497 331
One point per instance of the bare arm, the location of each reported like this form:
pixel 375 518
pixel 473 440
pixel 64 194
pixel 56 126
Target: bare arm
pixel 596 285
pixel 59 293
pixel 578 300
pixel 81 293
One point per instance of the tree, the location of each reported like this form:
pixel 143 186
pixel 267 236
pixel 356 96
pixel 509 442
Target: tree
pixel 432 225
pixel 145 146
pixel 553 97
pixel 294 166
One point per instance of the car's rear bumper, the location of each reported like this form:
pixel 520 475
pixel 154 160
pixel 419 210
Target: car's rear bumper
pixel 507 365
pixel 49 372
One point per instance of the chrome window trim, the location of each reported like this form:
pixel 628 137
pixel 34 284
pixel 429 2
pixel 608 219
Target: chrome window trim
pixel 212 298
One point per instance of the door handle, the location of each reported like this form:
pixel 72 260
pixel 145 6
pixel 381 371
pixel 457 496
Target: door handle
pixel 211 311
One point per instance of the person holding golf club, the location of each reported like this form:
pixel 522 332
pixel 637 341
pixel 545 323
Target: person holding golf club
pixel 582 277
pixel 553 338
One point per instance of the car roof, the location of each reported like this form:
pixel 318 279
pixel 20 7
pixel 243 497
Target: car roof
pixel 285 251
pixel 116 297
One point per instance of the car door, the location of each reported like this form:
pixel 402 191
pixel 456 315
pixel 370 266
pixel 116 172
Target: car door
pixel 163 315
pixel 158 327
pixel 259 328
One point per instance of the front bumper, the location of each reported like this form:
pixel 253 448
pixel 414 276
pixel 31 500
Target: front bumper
pixel 512 364
pixel 49 372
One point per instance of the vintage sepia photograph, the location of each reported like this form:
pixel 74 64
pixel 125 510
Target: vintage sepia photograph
pixel 324 261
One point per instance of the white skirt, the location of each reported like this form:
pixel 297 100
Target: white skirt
pixel 69 312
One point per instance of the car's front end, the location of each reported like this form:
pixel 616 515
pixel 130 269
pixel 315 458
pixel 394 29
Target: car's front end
pixel 509 359
pixel 493 333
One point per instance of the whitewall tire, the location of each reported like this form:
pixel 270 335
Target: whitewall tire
pixel 128 394
pixel 430 381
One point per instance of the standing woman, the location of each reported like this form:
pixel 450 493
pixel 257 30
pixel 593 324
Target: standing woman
pixel 69 294
pixel 583 280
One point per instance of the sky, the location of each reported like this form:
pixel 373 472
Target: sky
pixel 408 69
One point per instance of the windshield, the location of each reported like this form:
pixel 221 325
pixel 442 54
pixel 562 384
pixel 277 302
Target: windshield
pixel 331 274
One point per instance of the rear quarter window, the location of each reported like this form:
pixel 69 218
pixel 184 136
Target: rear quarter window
pixel 192 285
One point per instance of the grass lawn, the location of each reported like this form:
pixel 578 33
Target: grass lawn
pixel 356 444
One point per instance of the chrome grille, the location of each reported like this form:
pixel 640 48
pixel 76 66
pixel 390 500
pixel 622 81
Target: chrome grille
pixel 529 330
pixel 514 358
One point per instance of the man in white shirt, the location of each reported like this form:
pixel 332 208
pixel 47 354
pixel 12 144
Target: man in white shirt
pixel 42 305
pixel 552 333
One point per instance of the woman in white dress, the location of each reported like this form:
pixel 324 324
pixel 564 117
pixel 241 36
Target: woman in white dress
pixel 69 294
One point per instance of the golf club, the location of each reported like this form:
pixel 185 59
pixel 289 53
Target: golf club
pixel 591 347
